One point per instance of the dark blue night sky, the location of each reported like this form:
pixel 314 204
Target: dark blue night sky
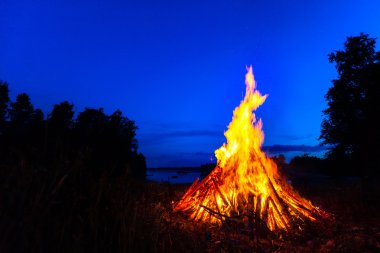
pixel 177 67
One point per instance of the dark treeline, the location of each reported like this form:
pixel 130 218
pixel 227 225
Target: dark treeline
pixel 100 143
pixel 66 182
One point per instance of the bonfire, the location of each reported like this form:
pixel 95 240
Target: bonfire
pixel 245 181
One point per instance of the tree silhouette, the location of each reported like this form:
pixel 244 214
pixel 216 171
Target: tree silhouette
pixel 58 139
pixel 4 100
pixel 25 128
pixel 21 111
pixel 97 143
pixel 123 137
pixel 56 170
pixel 349 125
pixel 21 116
pixel 36 127
pixel 123 129
pixel 90 128
pixel 109 141
pixel 61 118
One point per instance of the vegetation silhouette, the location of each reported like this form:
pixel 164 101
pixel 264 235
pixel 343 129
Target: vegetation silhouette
pixel 4 100
pixel 66 181
pixel 308 164
pixel 353 103
pixel 100 143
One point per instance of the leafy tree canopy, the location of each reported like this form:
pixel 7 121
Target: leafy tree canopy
pixel 353 104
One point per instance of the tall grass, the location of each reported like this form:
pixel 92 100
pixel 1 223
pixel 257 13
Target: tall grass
pixel 67 208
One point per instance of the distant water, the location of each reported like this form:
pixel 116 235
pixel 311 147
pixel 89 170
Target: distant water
pixel 173 176
pixel 188 175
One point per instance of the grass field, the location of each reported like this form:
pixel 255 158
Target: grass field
pixel 42 211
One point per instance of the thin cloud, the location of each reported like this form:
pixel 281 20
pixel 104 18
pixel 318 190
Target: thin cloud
pixel 288 148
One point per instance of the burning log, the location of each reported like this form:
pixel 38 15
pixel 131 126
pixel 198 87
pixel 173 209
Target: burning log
pixel 245 181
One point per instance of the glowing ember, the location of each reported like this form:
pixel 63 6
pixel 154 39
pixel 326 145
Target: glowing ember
pixel 245 180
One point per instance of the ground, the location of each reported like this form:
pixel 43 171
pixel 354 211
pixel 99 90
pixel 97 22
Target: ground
pixel 353 226
pixel 76 213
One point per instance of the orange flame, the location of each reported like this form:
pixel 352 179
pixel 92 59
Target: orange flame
pixel 245 179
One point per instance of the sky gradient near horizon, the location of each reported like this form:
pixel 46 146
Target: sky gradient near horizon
pixel 177 67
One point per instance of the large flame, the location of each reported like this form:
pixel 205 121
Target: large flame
pixel 245 180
